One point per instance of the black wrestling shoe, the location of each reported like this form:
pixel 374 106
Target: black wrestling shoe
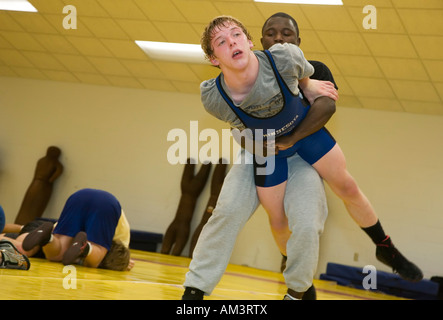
pixel 78 250
pixel 12 258
pixel 39 236
pixel 192 294
pixel 389 255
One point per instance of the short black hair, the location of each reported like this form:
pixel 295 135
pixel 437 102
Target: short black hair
pixel 281 15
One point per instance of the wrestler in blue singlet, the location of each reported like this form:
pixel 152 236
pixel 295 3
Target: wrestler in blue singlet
pixel 93 211
pixel 311 149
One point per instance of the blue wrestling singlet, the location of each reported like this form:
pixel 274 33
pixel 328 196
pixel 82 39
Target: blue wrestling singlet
pixel 93 211
pixel 294 110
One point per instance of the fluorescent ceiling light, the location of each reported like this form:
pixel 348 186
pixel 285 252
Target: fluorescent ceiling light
pixel 17 5
pixel 176 52
pixel 326 2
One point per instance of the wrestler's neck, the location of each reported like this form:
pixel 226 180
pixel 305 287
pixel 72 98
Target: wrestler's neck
pixel 239 80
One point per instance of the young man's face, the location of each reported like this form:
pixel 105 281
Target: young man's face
pixel 231 46
pixel 279 30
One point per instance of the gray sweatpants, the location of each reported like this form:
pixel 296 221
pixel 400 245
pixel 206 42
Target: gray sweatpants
pixel 306 209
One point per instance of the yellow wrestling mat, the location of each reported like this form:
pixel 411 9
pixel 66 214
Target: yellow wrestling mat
pixel 155 276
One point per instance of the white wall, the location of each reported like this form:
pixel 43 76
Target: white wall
pixel 115 139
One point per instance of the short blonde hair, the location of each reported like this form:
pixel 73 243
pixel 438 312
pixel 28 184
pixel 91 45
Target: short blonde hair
pixel 117 258
pixel 216 23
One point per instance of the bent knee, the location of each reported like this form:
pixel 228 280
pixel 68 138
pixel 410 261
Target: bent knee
pixel 347 188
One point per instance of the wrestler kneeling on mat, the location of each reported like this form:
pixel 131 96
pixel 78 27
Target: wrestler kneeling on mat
pixel 92 231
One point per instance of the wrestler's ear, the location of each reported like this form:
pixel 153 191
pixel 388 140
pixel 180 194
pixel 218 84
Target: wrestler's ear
pixel 214 61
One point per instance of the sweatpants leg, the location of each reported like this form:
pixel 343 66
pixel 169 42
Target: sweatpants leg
pixel 306 209
pixel 236 203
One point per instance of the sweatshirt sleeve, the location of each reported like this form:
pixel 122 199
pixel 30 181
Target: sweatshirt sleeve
pixel 290 61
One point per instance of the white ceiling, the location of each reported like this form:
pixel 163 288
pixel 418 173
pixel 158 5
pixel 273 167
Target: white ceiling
pixel 396 67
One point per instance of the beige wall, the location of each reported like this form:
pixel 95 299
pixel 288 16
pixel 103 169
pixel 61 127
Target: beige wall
pixel 115 139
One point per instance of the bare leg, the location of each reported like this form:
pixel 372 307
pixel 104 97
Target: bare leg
pixel 332 168
pixel 271 198
pixel 18 244
pixel 55 249
pixel 95 256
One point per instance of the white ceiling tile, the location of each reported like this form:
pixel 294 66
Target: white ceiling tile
pixel 428 47
pixel 246 12
pixel 127 82
pixel 310 42
pixel 92 78
pixel 14 58
pixel 122 9
pixel 176 71
pixel 31 73
pixel 439 87
pixel 87 8
pixel 124 49
pixel 22 41
pixel 390 45
pixel 381 104
pixel 197 11
pixel 6 71
pixel 104 28
pixel 415 90
pixel 344 42
pixel 55 43
pixel 363 66
pixel 43 60
pixel 295 11
pixel 141 30
pixel 178 32
pixel 349 101
pixel 75 63
pixel 160 10
pixel 4 44
pixel 60 76
pixel 370 87
pixel 325 18
pixel 344 89
pixel 422 22
pixel 109 66
pixel 90 46
pixel 362 3
pixel 430 4
pixel 8 23
pixel 143 69
pixel 434 69
pixel 48 6
pixel 396 67
pixel 34 23
pixel 401 68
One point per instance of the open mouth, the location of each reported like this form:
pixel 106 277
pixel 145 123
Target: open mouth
pixel 236 53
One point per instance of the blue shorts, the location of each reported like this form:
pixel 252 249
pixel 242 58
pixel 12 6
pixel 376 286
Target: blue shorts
pixel 95 212
pixel 311 149
pixel 2 219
